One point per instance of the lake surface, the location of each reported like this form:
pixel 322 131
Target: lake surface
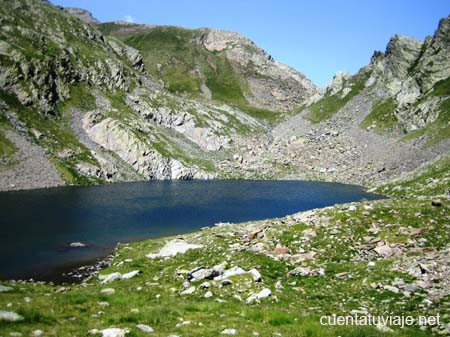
pixel 37 226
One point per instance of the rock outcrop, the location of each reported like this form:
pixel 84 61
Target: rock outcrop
pixel 82 14
pixel 273 85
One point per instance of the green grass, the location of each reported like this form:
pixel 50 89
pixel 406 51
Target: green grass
pixel 81 98
pixel 439 129
pixel 382 116
pixel 436 131
pixel 433 179
pixel 170 47
pixel 7 148
pixel 442 88
pixel 170 54
pixel 7 151
pixel 269 116
pixel 331 104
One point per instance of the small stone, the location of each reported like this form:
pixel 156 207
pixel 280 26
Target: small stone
pixel 108 291
pixel 392 289
pixel 281 250
pixel 255 274
pixel 436 203
pixel 114 332
pixel 227 282
pixel 229 332
pixel 77 244
pixel 4 289
pixel 208 294
pixel 144 328
pixel 384 251
pixel 204 285
pixel 188 291
pixel 10 316
pixel 37 333
pixel 383 328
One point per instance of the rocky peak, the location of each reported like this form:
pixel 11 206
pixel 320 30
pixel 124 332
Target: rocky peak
pixel 401 52
pixel 219 40
pixel 442 33
pixel 82 14
pixel 338 82
pixel 272 84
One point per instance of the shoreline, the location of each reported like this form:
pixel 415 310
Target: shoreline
pixel 84 270
pixel 269 247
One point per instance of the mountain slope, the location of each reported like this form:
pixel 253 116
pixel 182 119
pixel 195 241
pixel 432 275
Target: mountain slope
pixel 390 118
pixel 91 103
pixel 115 101
pixel 215 64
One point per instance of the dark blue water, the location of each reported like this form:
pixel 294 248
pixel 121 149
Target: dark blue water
pixel 37 226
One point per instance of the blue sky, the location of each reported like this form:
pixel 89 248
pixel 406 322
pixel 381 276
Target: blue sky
pixel 317 38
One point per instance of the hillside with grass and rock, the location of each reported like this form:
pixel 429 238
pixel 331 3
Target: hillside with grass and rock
pixel 84 102
pixel 107 102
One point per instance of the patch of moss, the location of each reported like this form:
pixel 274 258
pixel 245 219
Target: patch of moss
pixel 437 130
pixel 81 98
pixel 7 151
pixel 442 88
pixel 383 116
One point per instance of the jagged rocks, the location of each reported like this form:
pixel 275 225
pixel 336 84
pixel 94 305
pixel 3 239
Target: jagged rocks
pixel 202 273
pixel 384 251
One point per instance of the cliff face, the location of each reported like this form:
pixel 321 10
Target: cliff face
pixel 415 74
pixel 105 102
